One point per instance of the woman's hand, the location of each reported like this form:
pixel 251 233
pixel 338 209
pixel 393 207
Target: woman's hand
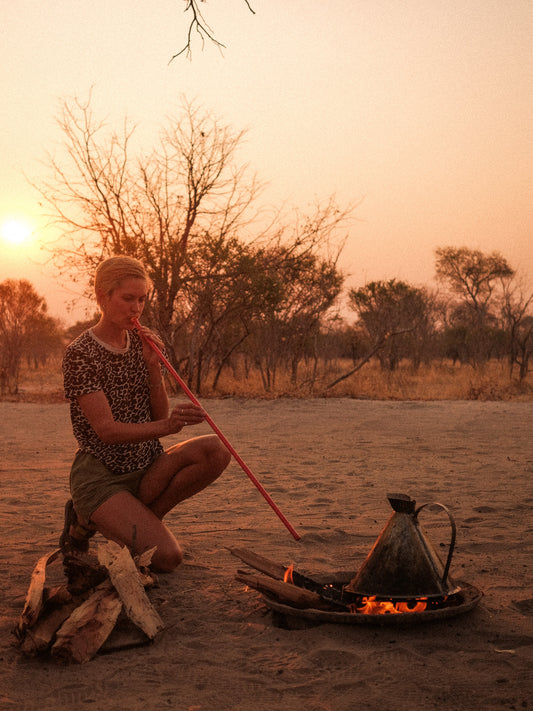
pixel 185 414
pixel 150 356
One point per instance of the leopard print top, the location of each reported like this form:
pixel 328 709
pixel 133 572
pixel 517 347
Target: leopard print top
pixel 90 366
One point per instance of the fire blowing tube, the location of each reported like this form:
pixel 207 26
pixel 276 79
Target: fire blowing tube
pixel 222 438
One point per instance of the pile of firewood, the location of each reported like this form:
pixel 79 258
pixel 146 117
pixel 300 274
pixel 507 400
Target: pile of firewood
pixel 73 619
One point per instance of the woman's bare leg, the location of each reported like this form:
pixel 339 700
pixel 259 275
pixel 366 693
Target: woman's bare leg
pixel 182 471
pixel 178 474
pixel 126 520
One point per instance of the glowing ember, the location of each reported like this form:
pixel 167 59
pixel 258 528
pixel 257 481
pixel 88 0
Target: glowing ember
pixel 287 578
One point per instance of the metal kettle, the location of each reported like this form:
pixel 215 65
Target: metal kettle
pixel 403 564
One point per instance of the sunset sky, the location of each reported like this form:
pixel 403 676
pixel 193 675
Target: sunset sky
pixel 419 109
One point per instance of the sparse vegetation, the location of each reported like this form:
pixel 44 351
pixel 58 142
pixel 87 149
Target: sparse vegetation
pixel 438 381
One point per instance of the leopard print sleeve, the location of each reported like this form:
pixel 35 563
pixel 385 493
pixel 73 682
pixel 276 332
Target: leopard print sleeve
pixel 81 372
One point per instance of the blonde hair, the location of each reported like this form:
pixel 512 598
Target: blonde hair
pixel 111 272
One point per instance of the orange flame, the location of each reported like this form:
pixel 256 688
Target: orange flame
pixel 287 578
pixel 415 606
pixel 372 606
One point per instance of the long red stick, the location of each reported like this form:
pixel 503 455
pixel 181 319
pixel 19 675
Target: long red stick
pixel 223 439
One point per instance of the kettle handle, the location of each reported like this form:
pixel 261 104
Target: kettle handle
pixel 452 539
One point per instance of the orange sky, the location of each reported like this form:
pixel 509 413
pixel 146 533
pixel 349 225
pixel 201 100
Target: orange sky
pixel 421 109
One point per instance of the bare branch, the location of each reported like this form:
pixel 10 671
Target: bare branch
pixel 377 347
pixel 199 26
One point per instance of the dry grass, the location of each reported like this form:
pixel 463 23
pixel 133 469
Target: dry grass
pixel 438 381
pixel 435 382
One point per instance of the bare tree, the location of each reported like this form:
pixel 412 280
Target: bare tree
pixel 22 319
pixel 517 319
pixel 184 210
pixel 154 206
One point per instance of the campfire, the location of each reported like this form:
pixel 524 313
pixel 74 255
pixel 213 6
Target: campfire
pixel 401 581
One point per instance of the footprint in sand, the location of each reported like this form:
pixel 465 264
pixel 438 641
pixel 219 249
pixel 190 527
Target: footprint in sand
pixel 524 606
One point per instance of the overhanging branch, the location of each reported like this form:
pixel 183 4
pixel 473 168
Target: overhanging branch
pixel 377 346
pixel 199 26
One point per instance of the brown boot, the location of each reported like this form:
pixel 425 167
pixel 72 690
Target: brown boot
pixel 74 536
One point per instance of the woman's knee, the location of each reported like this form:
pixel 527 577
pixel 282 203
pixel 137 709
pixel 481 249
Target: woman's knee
pixel 167 558
pixel 217 454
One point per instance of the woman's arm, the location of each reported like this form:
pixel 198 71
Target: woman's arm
pixel 159 404
pixel 97 410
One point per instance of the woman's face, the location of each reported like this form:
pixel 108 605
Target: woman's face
pixel 125 302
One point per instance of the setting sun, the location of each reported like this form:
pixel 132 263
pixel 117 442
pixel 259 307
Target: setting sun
pixel 15 232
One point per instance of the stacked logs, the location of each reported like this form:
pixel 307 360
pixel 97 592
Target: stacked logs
pixel 73 620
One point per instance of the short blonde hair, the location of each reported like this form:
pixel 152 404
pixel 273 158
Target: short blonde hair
pixel 112 271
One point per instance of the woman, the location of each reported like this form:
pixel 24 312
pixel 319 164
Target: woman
pixel 122 481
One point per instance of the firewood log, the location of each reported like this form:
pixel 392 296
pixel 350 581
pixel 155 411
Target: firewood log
pixel 88 627
pixel 125 578
pixel 285 592
pixel 34 598
pixel 259 562
pixel 40 636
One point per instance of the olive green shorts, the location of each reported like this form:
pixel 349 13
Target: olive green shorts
pixel 92 483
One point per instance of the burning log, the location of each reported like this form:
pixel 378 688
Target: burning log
pixel 287 592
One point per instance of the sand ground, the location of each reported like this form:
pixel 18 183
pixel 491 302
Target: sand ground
pixel 328 465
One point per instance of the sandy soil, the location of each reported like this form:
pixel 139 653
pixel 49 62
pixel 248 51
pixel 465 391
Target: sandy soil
pixel 328 465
